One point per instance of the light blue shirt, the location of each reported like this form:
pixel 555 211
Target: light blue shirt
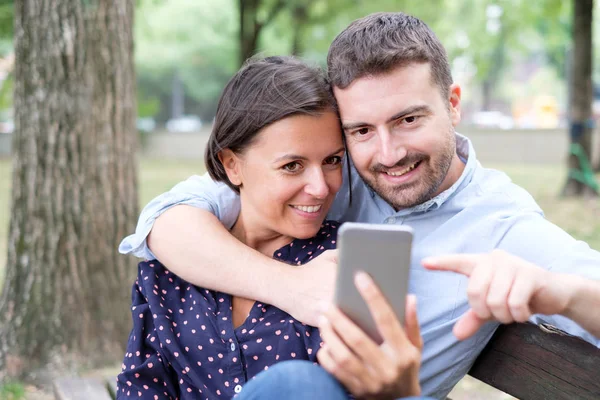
pixel 482 211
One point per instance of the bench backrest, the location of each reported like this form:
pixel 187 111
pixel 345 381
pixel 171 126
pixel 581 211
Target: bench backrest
pixel 530 363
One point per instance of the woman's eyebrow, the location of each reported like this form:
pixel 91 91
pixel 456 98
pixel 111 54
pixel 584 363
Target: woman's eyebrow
pixel 337 151
pixel 299 157
pixel 289 157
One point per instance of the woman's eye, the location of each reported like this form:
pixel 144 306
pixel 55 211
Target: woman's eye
pixel 335 160
pixel 292 167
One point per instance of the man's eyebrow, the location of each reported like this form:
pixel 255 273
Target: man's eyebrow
pixel 411 110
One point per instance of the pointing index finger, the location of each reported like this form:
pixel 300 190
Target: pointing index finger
pixel 461 263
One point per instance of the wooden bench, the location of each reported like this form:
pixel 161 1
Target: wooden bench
pixel 531 362
pixel 523 360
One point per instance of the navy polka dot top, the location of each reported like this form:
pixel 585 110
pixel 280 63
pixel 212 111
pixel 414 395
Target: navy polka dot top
pixel 183 344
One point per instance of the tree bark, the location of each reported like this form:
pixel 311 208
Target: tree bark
pixel 65 300
pixel 580 93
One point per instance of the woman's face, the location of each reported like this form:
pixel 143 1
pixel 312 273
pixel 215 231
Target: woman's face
pixel 290 174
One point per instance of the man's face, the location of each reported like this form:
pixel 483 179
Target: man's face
pixel 400 133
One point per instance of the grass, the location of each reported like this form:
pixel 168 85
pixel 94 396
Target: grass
pixel 576 216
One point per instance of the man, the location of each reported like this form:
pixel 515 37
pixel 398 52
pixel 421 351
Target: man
pixel 398 107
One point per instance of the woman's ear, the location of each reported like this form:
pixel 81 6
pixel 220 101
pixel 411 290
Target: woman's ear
pixel 232 165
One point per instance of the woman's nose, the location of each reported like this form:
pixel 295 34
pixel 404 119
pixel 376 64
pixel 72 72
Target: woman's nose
pixel 317 185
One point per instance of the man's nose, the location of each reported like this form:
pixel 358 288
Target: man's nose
pixel 390 151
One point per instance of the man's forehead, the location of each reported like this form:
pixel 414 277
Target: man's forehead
pixel 386 94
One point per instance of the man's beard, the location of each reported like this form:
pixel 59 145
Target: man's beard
pixel 432 172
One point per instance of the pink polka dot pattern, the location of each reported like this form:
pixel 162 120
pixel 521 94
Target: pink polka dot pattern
pixel 183 344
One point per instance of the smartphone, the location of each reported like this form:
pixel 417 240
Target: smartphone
pixel 382 251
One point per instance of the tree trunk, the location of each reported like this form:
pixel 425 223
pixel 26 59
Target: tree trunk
pixel 300 19
pixel 249 28
pixel 251 25
pixel 580 94
pixel 66 295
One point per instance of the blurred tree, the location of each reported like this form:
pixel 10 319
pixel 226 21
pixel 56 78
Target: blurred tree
pixel 254 16
pixel 581 181
pixel 195 40
pixel 66 293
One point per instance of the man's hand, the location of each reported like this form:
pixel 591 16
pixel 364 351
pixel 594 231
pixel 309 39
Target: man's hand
pixel 311 286
pixel 505 288
pixel 368 370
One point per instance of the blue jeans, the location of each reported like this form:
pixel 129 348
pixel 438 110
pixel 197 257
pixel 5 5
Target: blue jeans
pixel 296 380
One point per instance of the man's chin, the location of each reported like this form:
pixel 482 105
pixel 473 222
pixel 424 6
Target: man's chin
pixel 403 197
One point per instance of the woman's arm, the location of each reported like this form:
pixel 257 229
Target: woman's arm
pixel 196 246
pixel 187 230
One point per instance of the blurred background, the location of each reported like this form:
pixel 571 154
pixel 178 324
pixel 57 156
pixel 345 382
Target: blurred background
pixel 517 62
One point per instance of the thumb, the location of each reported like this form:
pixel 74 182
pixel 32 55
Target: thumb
pixel 468 325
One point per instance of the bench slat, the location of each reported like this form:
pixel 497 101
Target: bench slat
pixel 78 389
pixel 528 363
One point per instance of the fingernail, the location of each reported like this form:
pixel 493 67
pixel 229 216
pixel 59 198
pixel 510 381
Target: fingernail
pixel 362 280
pixel 429 261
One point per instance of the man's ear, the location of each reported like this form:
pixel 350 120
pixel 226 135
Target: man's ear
pixel 454 103
pixel 232 165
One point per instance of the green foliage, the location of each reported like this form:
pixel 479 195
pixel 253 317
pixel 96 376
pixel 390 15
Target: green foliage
pixel 12 391
pixel 194 39
pixel 6 90
pixel 7 12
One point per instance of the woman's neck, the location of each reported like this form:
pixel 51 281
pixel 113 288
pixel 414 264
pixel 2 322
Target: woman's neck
pixel 257 236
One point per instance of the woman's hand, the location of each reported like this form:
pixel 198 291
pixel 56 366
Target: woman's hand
pixel 368 370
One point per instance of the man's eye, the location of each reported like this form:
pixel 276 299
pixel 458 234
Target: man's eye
pixel 410 120
pixel 292 167
pixel 335 160
pixel 361 131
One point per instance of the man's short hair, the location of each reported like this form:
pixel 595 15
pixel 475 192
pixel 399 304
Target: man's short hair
pixel 381 42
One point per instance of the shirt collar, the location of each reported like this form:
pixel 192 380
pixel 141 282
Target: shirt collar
pixel 465 151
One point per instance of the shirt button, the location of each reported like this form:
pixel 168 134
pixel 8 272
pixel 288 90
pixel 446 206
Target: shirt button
pixel 391 220
pixel 237 388
pixel 232 347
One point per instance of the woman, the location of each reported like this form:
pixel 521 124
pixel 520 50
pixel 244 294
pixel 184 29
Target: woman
pixel 277 141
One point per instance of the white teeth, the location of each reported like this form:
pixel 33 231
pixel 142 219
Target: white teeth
pixel 308 209
pixel 400 173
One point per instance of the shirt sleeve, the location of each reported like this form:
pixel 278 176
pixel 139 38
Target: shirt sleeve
pixel 196 191
pixel 534 238
pixel 144 372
